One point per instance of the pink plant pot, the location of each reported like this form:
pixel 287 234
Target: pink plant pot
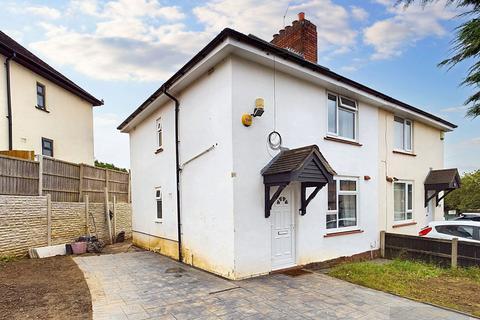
pixel 79 247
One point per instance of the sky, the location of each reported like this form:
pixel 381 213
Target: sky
pixel 123 50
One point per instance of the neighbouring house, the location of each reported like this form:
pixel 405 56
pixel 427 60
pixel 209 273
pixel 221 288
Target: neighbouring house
pixel 41 109
pixel 253 158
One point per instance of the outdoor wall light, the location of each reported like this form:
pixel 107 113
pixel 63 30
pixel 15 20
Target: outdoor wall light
pixel 247 118
pixel 258 111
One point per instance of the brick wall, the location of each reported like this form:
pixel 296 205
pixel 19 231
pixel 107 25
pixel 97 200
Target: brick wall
pixel 300 37
pixel 23 222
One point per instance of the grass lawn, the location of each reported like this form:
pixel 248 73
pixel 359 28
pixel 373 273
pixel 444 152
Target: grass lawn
pixel 457 289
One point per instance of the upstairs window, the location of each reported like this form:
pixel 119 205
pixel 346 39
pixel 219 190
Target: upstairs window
pixel 342 117
pixel 403 134
pixel 47 147
pixel 159 133
pixel 342 203
pixel 41 96
pixel 403 201
pixel 158 199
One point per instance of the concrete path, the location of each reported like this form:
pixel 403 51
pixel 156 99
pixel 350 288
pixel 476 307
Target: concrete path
pixel 145 285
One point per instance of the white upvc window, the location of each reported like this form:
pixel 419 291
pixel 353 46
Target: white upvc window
pixel 159 133
pixel 342 116
pixel 159 203
pixel 342 210
pixel 403 134
pixel 403 201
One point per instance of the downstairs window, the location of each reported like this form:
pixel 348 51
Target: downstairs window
pixel 342 203
pixel 403 201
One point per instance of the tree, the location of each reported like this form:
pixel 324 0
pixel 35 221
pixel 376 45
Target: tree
pixel 467 198
pixel 465 47
pixel 108 166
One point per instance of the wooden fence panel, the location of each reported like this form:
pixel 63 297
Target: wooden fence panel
pixel 22 154
pixel 118 184
pixel 468 253
pixel 18 176
pixel 96 179
pixel 431 250
pixel 61 180
pixel 94 183
pixel 64 181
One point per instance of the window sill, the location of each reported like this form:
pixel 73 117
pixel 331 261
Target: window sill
pixel 42 109
pixel 406 224
pixel 158 150
pixel 350 142
pixel 342 233
pixel 407 153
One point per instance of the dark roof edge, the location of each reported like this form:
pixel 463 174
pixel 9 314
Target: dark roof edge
pixel 44 72
pixel 263 45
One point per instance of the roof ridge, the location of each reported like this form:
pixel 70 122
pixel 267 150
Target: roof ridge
pixel 287 55
pixel 31 61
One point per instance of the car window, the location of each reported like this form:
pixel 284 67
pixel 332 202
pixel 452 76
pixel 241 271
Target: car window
pixel 457 231
pixel 476 233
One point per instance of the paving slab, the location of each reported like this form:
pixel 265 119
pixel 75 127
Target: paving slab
pixel 146 285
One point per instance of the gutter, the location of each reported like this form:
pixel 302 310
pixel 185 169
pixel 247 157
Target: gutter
pixel 9 101
pixel 177 174
pixel 285 54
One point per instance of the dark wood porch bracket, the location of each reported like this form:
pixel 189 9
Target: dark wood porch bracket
pixel 305 165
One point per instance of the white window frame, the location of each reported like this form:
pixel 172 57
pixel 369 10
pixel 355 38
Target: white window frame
pixel 338 193
pixel 159 133
pixel 405 121
pixel 407 210
pixel 340 105
pixel 158 198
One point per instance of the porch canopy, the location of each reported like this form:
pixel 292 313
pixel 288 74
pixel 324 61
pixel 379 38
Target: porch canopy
pixel 445 180
pixel 306 165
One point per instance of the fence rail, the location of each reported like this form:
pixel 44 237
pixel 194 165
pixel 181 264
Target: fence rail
pixel 440 251
pixel 64 181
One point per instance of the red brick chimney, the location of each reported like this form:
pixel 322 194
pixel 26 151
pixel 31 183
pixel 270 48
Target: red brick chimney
pixel 300 37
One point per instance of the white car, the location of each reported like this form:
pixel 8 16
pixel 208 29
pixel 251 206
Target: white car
pixel 464 230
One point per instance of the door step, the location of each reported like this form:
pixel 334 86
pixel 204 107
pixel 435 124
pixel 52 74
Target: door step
pixel 291 271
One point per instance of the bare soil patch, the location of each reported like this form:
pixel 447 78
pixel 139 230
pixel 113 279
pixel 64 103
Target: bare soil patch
pixel 51 288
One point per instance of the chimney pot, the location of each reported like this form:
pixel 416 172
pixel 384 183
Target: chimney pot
pixel 301 16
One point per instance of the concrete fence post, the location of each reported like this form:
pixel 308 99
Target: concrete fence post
pixel 87 229
pixel 107 216
pixel 49 220
pixel 382 243
pixel 114 217
pixel 454 262
pixel 40 175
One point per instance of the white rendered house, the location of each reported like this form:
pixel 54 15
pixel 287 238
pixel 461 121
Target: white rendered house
pixel 316 177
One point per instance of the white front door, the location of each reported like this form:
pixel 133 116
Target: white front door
pixel 283 238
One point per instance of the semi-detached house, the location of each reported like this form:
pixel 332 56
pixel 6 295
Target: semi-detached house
pixel 42 110
pixel 253 158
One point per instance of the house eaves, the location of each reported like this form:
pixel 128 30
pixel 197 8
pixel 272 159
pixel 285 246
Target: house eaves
pixel 259 50
pixel 19 54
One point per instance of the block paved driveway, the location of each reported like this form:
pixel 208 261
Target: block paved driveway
pixel 145 285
